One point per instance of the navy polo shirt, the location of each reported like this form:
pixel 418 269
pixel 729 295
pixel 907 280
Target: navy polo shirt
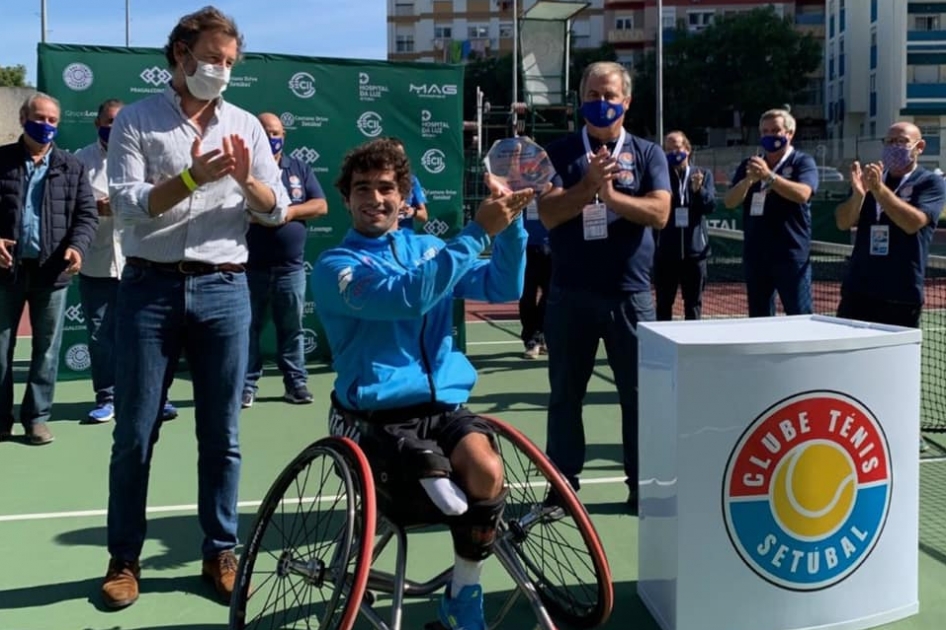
pixel 898 276
pixel 622 262
pixel 783 232
pixel 282 248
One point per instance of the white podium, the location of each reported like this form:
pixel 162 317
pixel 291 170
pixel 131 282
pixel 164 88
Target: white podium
pixel 779 473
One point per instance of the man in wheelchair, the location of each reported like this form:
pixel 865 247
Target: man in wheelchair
pixel 385 298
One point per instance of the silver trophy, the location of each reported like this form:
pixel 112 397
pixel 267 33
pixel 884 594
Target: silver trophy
pixel 519 164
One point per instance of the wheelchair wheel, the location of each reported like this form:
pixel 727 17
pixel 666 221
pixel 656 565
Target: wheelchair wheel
pixel 552 534
pixel 307 557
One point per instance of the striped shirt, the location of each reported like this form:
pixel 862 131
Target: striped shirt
pixel 150 142
pixel 104 258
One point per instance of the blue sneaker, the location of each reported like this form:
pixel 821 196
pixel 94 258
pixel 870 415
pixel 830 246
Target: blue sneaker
pixel 465 611
pixel 169 412
pixel 103 412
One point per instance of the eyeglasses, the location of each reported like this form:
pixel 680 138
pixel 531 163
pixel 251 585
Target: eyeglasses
pixel 900 142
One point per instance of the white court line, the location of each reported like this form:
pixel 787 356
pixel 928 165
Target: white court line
pixel 493 343
pixel 163 509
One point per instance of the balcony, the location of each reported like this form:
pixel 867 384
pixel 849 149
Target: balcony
pixel 624 4
pixel 454 50
pixel 926 90
pixel 926 36
pixel 628 36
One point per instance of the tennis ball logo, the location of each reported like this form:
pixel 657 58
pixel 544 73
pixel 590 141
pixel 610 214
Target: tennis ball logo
pixel 814 490
pixel 807 490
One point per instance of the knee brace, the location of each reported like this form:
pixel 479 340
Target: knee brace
pixel 474 531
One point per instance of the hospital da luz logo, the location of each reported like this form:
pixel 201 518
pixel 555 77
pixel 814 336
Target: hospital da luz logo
pixel 807 490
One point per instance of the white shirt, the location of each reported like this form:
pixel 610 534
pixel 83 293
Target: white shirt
pixel 104 258
pixel 151 142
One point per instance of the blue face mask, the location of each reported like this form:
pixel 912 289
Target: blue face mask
pixel 276 144
pixel 40 132
pixel 600 113
pixel 104 133
pixel 772 144
pixel 676 158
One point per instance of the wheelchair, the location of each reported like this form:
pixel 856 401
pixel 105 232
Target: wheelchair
pixel 308 560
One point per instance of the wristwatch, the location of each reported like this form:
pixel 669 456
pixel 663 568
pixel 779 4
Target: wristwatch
pixel 770 179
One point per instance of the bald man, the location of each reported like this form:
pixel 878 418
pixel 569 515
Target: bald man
pixel 894 204
pixel 276 276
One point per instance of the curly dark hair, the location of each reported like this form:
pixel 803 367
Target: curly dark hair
pixel 190 27
pixel 375 155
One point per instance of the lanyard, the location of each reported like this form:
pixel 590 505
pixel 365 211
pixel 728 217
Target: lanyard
pixel 903 181
pixel 682 186
pixel 779 165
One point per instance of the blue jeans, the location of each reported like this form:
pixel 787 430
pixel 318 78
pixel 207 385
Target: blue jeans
pixel 98 297
pixel 574 323
pixel 47 311
pixel 159 314
pixel 791 279
pixel 284 292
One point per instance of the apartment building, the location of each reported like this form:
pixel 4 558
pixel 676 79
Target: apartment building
pixel 904 77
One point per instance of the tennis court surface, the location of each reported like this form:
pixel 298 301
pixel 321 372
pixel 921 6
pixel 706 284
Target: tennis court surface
pixel 52 502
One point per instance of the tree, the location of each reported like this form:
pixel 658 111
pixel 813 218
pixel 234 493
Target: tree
pixel 742 64
pixel 13 76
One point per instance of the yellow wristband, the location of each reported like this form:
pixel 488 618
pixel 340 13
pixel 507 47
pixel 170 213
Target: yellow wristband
pixel 188 180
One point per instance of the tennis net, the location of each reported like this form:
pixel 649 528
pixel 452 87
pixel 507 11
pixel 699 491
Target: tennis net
pixel 725 296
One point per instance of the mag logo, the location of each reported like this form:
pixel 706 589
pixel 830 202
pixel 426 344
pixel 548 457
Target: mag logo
pixel 807 490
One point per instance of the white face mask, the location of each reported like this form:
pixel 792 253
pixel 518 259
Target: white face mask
pixel 208 81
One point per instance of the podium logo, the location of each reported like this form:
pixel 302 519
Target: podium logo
pixel 807 490
pixel 77 76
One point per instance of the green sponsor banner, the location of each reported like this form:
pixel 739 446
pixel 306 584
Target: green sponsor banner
pixel 327 106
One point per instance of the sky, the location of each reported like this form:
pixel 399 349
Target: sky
pixel 354 29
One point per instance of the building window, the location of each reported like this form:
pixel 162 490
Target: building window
pixel 873 129
pixel 925 74
pixel 443 32
pixel 404 44
pixel 477 31
pixel 624 23
pixel 873 82
pixel 404 8
pixel 505 30
pixel 669 18
pixel 698 20
pixel 926 22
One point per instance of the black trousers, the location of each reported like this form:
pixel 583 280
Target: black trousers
pixel 868 309
pixel 531 305
pixel 687 274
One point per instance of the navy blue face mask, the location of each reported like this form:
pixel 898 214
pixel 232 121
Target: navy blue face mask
pixel 676 158
pixel 600 113
pixel 276 145
pixel 40 132
pixel 772 144
pixel 104 133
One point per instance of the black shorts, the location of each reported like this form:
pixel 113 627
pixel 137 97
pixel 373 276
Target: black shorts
pixel 401 445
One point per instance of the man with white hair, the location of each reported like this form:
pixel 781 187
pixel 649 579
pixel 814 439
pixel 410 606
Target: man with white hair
pixel 610 191
pixel 775 190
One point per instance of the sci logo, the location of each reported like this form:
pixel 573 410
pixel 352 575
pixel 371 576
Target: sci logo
pixel 807 490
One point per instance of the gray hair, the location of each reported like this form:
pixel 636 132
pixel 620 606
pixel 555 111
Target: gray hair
pixel 784 114
pixel 606 68
pixel 31 100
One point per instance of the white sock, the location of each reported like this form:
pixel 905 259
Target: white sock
pixel 465 573
pixel 445 494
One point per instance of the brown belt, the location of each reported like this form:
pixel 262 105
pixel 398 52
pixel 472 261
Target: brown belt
pixel 186 267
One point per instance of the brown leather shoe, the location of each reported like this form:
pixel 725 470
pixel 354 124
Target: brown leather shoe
pixel 39 434
pixel 120 587
pixel 221 572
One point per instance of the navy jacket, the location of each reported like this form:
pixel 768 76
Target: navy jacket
pixel 69 215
